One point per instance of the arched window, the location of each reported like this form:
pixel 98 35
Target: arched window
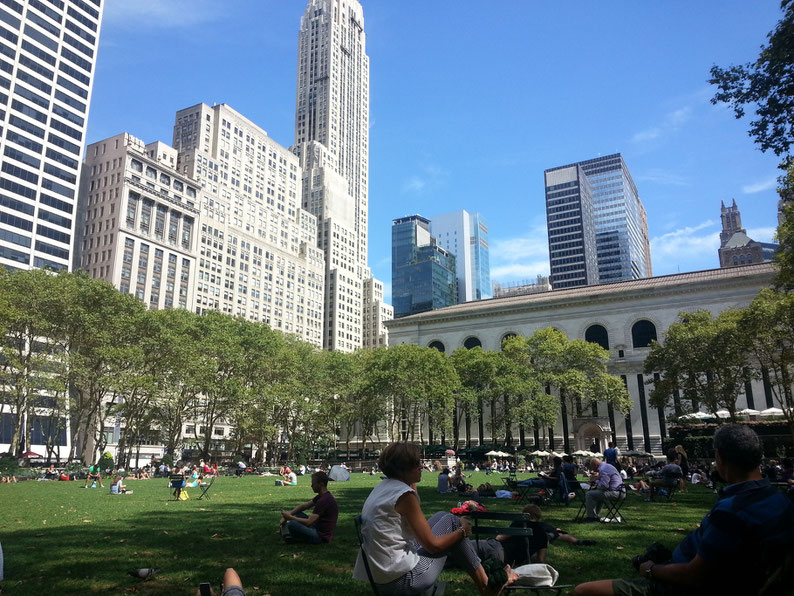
pixel 438 346
pixel 643 333
pixel 472 342
pixel 597 334
pixel 507 336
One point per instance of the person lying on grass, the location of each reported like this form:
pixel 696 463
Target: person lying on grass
pixel 406 552
pixel 745 535
pixel 513 549
pixel 318 527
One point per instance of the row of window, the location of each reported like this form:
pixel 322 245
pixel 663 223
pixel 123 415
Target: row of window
pixel 643 332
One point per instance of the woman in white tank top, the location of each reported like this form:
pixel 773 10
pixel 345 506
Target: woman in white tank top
pixel 406 552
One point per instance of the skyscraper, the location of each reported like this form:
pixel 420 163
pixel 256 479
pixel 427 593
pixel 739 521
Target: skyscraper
pixel 332 141
pixel 466 236
pixel 423 273
pixel 47 58
pixel 569 221
pixel 619 220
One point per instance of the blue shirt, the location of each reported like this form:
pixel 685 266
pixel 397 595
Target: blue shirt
pixel 748 517
pixel 611 456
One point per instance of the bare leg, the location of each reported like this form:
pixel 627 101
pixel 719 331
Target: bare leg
pixel 540 556
pixel 598 588
pixel 230 578
pixel 569 538
pixel 481 580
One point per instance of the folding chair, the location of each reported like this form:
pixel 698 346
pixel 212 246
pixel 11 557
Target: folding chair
pixel 613 505
pixel 525 530
pixel 581 496
pixel 178 487
pixel 206 489
pixel 436 590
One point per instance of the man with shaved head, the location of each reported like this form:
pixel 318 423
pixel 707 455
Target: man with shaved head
pixel 607 483
pixel 744 536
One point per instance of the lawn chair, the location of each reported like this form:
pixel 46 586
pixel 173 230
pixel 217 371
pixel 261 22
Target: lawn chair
pixel 614 504
pixel 525 530
pixel 436 590
pixel 205 490
pixel 178 486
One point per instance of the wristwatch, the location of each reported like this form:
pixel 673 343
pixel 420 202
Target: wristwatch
pixel 648 571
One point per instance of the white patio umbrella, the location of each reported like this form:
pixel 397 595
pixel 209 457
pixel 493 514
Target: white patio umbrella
pixel 772 412
pixel 582 453
pixel 558 454
pixel 494 453
pixel 723 414
pixel 503 454
pixel 748 412
pixel 695 416
pixel 540 453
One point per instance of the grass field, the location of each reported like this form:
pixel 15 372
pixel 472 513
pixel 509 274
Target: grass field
pixel 59 537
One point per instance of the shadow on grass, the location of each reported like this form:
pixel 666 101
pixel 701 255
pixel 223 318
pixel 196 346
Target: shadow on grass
pixel 57 537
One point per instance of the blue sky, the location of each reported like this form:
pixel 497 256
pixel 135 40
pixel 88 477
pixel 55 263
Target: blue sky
pixel 472 100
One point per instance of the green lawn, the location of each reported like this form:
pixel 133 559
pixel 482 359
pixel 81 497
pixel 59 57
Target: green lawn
pixel 58 536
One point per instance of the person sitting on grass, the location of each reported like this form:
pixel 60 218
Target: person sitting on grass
pixel 289 478
pixel 320 525
pixel 231 585
pixel 94 474
pixel 442 486
pixel 747 532
pixel 407 552
pixel 669 477
pixel 117 488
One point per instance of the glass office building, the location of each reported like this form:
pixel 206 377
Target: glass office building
pixel 465 235
pixel 423 273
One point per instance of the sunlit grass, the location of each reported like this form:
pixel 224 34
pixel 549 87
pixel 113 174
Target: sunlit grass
pixel 58 536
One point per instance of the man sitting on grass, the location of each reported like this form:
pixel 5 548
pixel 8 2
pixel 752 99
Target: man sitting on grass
pixel 320 525
pixel 748 531
pixel 94 475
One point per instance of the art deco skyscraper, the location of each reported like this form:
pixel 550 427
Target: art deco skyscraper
pixel 332 141
pixel 47 58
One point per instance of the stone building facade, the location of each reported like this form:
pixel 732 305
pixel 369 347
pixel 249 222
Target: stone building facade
pixel 625 316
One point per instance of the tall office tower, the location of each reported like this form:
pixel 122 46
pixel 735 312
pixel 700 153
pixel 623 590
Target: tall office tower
pixel 47 58
pixel 622 242
pixel 376 313
pixel 569 219
pixel 258 255
pixel 423 273
pixel 138 218
pixel 332 140
pixel 465 235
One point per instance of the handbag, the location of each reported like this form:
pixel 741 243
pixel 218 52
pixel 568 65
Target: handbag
pixel 536 574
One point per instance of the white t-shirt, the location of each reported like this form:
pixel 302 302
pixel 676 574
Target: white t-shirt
pixel 292 478
pixel 388 538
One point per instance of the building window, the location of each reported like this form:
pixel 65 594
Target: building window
pixel 472 342
pixel 438 346
pixel 643 333
pixel 597 334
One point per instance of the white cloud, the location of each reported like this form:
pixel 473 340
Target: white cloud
pixel 429 178
pixel 158 14
pixel 768 184
pixel 520 258
pixel 686 249
pixel 671 123
pixel 662 177
pixel 762 234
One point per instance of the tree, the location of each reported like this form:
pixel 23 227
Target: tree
pixel 785 232
pixel 703 356
pixel 577 368
pixel 416 383
pixel 477 370
pixel 769 324
pixel 32 366
pixel 767 84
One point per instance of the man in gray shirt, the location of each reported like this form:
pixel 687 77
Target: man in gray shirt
pixel 669 476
